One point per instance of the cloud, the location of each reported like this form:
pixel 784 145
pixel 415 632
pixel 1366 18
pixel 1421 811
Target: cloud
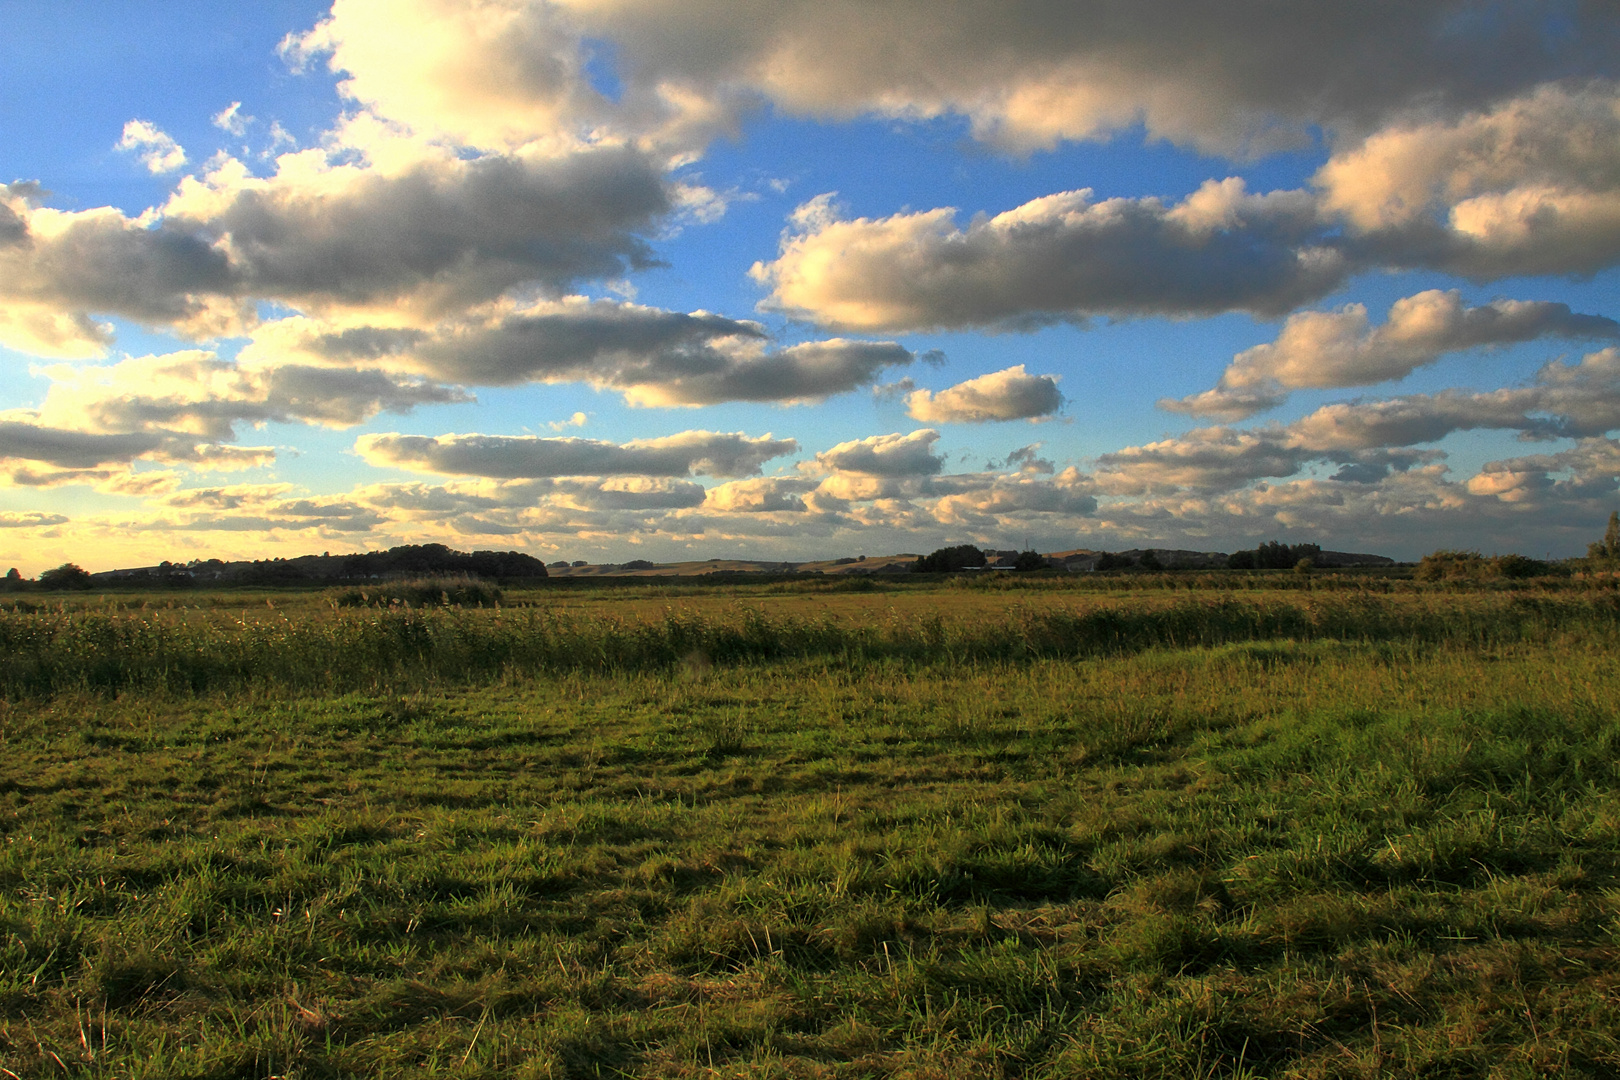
pixel 498 74
pixel 408 227
pixel 654 357
pixel 420 225
pixel 158 152
pixel 766 495
pixel 1565 400
pixel 11 519
pixel 1061 257
pixel 198 393
pixel 884 455
pixel 1231 78
pixel 999 501
pixel 1529 186
pixel 1001 395
pixel 68 265
pixel 232 119
pixel 1339 348
pixel 1027 459
pixel 70 449
pixel 523 456
pixel 1588 471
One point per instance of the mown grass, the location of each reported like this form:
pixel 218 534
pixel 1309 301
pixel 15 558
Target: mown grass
pixel 1264 836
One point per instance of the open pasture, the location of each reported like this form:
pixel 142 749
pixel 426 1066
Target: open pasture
pixel 921 830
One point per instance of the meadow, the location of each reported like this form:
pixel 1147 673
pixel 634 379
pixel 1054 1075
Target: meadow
pixel 1222 825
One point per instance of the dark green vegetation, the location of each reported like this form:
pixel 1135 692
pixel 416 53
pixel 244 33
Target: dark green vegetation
pixel 1274 555
pixel 949 559
pixel 977 831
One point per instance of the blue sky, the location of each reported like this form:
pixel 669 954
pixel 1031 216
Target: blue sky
pixel 612 279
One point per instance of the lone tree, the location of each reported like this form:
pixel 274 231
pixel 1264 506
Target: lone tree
pixel 1607 549
pixel 67 576
pixel 1029 560
pixel 947 559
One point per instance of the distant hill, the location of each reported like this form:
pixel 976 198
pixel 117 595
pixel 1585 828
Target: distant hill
pixel 416 560
pixel 411 560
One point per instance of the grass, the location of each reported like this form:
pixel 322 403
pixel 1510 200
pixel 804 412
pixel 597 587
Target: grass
pixel 1301 834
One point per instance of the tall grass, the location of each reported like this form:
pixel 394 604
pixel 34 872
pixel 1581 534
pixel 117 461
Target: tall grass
pixel 49 652
pixel 1155 834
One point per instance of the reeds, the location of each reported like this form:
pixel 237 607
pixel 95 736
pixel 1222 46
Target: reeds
pixel 48 652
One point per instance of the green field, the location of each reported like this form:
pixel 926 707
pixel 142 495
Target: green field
pixel 1188 826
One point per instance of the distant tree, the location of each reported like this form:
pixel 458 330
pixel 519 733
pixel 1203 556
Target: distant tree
pixel 1607 549
pixel 1150 561
pixel 947 559
pixel 1274 555
pixel 1472 566
pixel 1304 566
pixel 1452 566
pixel 13 580
pixel 1519 566
pixel 66 576
pixel 1029 560
pixel 1109 561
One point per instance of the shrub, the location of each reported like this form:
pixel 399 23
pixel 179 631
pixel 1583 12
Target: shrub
pixel 421 592
pixel 947 559
pixel 1448 565
pixel 1519 566
pixel 1472 566
pixel 1030 560
pixel 66 576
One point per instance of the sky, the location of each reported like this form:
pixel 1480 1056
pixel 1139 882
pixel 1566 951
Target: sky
pixel 798 279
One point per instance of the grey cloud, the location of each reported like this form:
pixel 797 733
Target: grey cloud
pixel 1227 405
pixel 1588 471
pixel 1027 459
pixel 1340 348
pixel 438 236
pixel 1530 185
pixel 438 501
pixel 226 395
pixel 639 494
pixel 1062 257
pixel 72 449
pixel 515 456
pixel 766 495
pixel 1571 400
pixel 13 230
pixel 894 456
pixel 999 499
pixel 1204 459
pixel 1001 395
pixel 227 498
pixel 1230 77
pixel 460 232
pixel 29 520
pixel 804 372
pixel 104 263
pixel 655 357
pixel 617 343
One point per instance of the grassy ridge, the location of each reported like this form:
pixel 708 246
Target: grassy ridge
pixel 47 652
pixel 1283 836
